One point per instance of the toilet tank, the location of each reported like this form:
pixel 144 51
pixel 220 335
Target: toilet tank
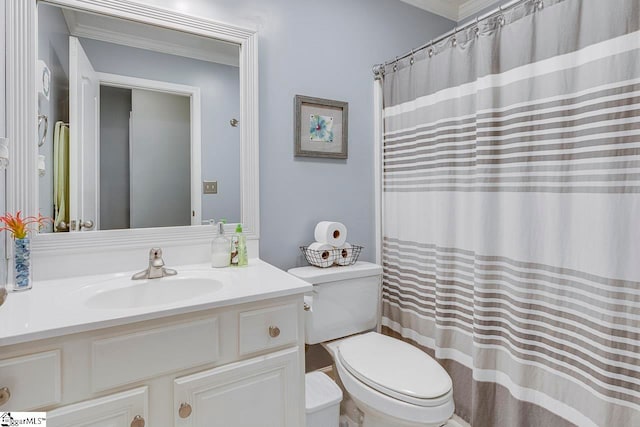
pixel 344 301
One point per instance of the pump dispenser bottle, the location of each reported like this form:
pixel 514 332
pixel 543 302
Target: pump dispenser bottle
pixel 238 248
pixel 241 247
pixel 220 247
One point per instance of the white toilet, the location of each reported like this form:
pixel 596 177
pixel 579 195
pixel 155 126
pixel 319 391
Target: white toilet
pixel 391 382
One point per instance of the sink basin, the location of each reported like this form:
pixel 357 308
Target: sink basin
pixel 124 293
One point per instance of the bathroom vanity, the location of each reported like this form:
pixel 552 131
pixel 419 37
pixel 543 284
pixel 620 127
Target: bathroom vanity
pixel 206 347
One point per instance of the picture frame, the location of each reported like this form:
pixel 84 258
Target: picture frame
pixel 321 127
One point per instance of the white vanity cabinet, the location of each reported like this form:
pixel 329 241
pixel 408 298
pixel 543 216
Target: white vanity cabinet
pixel 241 365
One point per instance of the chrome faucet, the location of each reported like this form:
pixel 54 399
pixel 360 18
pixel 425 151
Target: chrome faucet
pixel 156 268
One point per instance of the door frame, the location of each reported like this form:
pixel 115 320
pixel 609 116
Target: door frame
pixel 193 92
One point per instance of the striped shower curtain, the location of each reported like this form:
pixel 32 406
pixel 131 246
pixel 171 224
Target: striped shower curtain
pixel 511 213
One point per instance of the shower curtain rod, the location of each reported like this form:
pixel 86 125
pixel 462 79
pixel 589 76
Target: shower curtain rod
pixel 378 70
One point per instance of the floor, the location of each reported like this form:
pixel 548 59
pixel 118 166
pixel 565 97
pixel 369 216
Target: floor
pixel 456 421
pixel 316 357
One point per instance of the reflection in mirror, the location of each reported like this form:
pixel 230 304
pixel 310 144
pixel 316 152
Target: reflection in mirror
pixel 139 118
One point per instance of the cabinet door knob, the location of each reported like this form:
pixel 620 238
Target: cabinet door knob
pixel 274 331
pixel 185 410
pixel 5 395
pixel 137 421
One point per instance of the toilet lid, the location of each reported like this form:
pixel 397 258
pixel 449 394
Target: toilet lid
pixel 394 367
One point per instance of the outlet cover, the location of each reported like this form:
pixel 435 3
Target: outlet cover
pixel 210 187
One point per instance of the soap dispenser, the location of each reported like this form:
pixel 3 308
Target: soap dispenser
pixel 239 248
pixel 220 248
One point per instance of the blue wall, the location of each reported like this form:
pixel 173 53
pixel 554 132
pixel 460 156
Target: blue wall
pixel 324 50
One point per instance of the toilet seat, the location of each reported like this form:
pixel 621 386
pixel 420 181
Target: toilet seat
pixel 396 369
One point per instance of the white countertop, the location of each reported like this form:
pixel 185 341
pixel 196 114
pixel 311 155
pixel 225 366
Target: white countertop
pixel 56 307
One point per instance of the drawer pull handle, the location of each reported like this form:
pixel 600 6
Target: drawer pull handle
pixel 274 331
pixel 5 395
pixel 185 410
pixel 137 421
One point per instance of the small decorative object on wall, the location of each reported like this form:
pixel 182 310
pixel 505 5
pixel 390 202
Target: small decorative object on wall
pixel 321 127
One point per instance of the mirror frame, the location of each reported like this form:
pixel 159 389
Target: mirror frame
pixel 22 177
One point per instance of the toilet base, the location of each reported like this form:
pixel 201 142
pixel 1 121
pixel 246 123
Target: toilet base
pixel 352 416
pixel 372 418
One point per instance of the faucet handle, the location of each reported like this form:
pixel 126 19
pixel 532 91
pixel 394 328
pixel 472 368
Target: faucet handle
pixel 155 257
pixel 155 253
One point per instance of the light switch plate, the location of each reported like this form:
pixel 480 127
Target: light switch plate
pixel 210 187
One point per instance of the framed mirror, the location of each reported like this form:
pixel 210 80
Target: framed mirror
pixel 140 105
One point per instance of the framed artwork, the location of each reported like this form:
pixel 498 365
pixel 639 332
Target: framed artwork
pixel 321 127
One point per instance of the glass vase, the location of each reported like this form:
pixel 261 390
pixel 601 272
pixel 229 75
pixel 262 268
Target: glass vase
pixel 22 264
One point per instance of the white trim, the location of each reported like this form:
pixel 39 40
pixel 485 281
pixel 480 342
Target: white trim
pixel 219 52
pixel 446 8
pixel 22 188
pixel 455 10
pixel 21 112
pixel 378 131
pixel 193 92
pixel 471 7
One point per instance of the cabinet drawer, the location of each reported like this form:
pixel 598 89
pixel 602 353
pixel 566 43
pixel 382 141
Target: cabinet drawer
pixel 119 409
pixel 133 357
pixel 268 328
pixel 33 381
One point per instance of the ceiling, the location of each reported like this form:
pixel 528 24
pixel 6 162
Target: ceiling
pixel 456 10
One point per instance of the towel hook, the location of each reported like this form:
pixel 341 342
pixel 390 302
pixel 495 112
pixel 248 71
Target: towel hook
pixel 41 118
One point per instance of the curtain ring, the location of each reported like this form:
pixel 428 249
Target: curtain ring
pixel 412 60
pixel 477 30
pixel 539 4
pixel 431 49
pixel 454 41
pixel 501 20
pixel 395 65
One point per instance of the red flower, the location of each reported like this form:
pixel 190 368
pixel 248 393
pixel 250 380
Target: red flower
pixel 19 227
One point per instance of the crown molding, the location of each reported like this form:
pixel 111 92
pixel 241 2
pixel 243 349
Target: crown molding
pixel 446 8
pixel 471 7
pixel 79 26
pixel 456 10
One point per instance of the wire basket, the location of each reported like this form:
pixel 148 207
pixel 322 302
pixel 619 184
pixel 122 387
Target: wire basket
pixel 329 257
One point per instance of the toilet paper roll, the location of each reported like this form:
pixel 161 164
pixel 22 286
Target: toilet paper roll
pixel 344 254
pixel 331 233
pixel 321 255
